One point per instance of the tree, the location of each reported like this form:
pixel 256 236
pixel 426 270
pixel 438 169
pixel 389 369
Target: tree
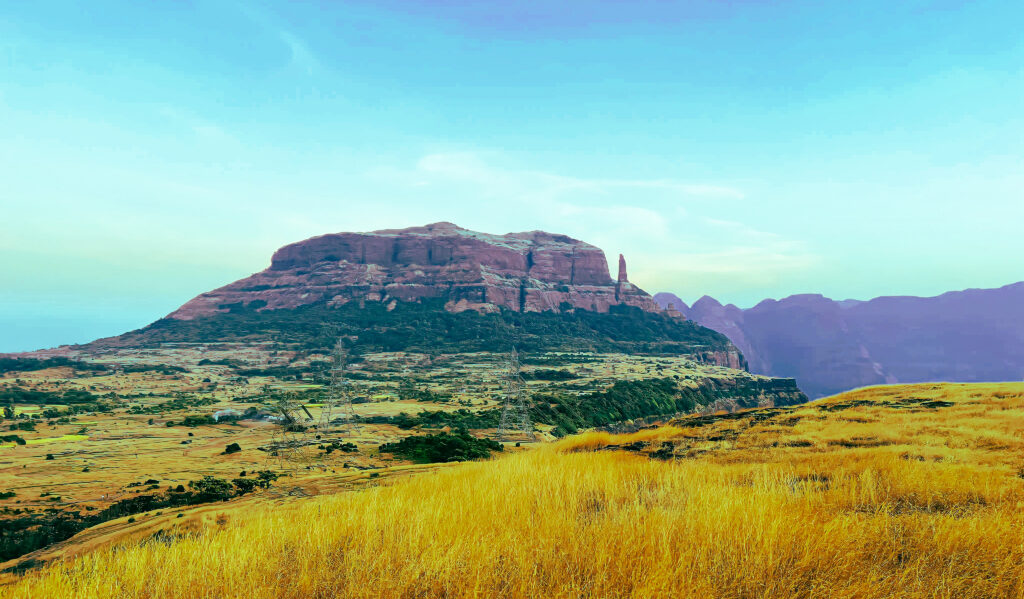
pixel 244 485
pixel 210 488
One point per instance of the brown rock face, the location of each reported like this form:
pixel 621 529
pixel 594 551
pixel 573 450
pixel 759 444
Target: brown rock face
pixel 526 272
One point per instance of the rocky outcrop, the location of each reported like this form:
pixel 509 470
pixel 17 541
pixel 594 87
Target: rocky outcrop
pixel 524 272
pixel 831 346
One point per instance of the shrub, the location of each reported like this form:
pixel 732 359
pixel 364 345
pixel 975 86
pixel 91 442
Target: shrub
pixel 265 478
pixel 198 420
pixel 244 485
pixel 232 448
pixel 210 488
pixel 444 447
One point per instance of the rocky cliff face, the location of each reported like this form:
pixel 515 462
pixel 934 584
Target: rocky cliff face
pixel 523 272
pixel 828 346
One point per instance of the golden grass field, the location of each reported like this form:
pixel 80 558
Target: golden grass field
pixel 99 455
pixel 904 491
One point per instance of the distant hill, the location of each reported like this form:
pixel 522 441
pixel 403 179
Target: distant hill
pixel 830 346
pixel 438 288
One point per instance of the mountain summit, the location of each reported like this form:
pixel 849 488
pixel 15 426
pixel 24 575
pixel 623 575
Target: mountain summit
pixel 438 288
pixel 523 272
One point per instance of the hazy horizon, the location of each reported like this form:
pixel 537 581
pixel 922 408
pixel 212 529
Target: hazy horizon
pixel 742 151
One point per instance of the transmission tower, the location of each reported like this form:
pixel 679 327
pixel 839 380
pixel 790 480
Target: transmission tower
pixel 291 445
pixel 337 403
pixel 514 414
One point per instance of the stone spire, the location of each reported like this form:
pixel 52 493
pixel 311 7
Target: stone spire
pixel 622 269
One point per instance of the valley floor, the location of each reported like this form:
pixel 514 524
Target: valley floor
pixel 907 491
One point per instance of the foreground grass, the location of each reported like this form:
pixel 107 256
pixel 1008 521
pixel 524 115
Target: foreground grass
pixel 870 494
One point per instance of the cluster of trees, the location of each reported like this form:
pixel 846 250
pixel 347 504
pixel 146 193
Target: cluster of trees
pixel 160 368
pixel 18 395
pixel 32 364
pixel 193 420
pixel 444 447
pixel 222 362
pixel 27 533
pixel 461 418
pixel 281 372
pixel 342 446
pixel 76 401
pixel 543 374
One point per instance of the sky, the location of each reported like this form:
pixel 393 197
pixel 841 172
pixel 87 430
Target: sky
pixel 150 151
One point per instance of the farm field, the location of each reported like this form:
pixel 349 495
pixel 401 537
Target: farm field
pixel 116 429
pixel 901 491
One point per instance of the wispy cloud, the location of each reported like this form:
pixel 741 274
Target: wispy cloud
pixel 302 58
pixel 678 235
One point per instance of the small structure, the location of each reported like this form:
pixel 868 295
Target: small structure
pixel 227 414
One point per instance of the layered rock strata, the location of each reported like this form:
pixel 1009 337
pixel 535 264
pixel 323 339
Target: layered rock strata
pixel 525 272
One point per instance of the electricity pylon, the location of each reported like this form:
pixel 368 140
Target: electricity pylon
pixel 514 413
pixel 338 401
pixel 290 443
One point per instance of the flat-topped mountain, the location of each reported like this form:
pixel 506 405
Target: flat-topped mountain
pixel 522 272
pixel 438 288
pixel 976 335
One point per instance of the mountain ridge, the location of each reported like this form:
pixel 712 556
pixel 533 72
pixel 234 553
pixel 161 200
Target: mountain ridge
pixel 973 335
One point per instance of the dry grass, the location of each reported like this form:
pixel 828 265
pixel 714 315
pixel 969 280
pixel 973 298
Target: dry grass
pixel 864 495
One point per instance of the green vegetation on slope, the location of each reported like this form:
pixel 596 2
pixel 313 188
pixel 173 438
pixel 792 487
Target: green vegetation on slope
pixel 19 395
pixel 622 401
pixel 457 447
pixel 426 326
pixel 26 533
pixel 32 364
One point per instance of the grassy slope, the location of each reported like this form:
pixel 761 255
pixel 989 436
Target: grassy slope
pixel 874 493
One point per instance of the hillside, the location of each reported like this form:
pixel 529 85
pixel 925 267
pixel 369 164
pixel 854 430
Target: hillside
pixel 830 346
pixel 438 288
pixel 426 326
pixel 94 437
pixel 904 491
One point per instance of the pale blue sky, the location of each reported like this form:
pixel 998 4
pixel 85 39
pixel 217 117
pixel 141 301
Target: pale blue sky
pixel 152 151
